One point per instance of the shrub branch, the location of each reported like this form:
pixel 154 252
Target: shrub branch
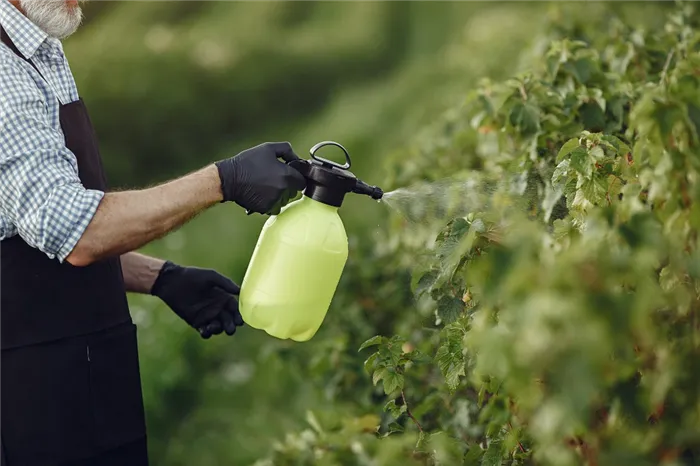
pixel 408 411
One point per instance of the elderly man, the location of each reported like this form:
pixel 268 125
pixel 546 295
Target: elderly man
pixel 71 390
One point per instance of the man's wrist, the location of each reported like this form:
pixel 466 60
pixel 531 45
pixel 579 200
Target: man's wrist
pixel 152 273
pixel 140 272
pixel 215 182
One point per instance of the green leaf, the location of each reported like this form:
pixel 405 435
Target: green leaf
pixel 694 117
pixel 451 236
pixel 526 118
pixel 371 362
pixel 552 196
pixel 379 375
pixel 595 189
pixel 449 309
pixel 562 228
pixel 395 410
pixel 478 226
pixel 392 381
pixel 556 55
pixel 395 428
pixel 426 282
pixel 620 146
pixel 561 172
pixel 473 456
pixel 581 69
pixel 581 161
pixel 566 149
pixel 375 340
pixel 483 391
pixel 414 356
pixel 592 116
pixel 597 96
pixel 397 340
pixel 597 152
pixel 418 356
pixel 494 452
pixel 615 107
pixel 450 357
pixel 313 422
pixel 391 353
pixel 494 385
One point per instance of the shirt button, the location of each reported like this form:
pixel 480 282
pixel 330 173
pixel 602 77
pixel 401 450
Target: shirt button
pixel 54 68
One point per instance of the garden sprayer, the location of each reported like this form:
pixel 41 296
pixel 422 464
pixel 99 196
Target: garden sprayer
pixel 301 253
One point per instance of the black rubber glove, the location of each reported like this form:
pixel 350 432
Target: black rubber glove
pixel 203 298
pixel 258 181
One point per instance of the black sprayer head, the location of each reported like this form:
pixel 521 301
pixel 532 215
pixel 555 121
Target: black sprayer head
pixel 328 182
pixel 372 191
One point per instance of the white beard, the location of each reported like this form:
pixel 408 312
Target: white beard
pixel 54 17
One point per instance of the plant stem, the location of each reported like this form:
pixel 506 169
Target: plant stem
pixel 523 94
pixel 666 65
pixel 408 411
pixel 522 449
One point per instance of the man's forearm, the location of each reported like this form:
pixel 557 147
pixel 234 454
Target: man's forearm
pixel 140 272
pixel 125 221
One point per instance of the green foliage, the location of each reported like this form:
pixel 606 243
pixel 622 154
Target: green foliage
pixel 559 323
pixel 185 83
pixel 517 315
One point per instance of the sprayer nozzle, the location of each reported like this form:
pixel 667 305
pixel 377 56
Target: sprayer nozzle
pixel 377 193
pixel 372 191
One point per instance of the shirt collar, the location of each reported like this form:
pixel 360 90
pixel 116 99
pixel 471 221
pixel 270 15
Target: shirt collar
pixel 26 35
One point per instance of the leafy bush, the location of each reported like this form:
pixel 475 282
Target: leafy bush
pixel 557 322
pixel 221 401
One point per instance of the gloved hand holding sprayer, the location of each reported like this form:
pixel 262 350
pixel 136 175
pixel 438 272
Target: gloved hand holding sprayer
pixel 305 239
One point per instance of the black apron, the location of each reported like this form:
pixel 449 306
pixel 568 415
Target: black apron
pixel 70 382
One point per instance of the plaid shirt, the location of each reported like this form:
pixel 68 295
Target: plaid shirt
pixel 41 196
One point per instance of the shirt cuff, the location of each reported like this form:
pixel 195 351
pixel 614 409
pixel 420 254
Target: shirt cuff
pixel 90 200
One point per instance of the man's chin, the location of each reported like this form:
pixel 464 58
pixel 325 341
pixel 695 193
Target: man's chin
pixel 59 19
pixel 65 33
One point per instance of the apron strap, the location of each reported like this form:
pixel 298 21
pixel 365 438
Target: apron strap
pixel 5 39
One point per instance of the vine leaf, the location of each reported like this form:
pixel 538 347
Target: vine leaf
pixel 450 356
pixel 392 381
pixel 394 409
pixel 374 341
pixel 567 148
pixel 494 452
pixel 450 309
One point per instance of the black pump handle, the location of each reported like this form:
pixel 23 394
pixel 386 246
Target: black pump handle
pixel 315 148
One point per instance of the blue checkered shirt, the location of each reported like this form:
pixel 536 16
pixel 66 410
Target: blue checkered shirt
pixel 41 196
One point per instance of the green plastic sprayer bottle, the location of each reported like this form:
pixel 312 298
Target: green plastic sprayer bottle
pixel 301 253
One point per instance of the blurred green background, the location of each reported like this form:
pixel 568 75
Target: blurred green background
pixel 173 86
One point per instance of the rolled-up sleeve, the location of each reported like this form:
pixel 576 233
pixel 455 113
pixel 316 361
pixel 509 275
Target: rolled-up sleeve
pixel 40 191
